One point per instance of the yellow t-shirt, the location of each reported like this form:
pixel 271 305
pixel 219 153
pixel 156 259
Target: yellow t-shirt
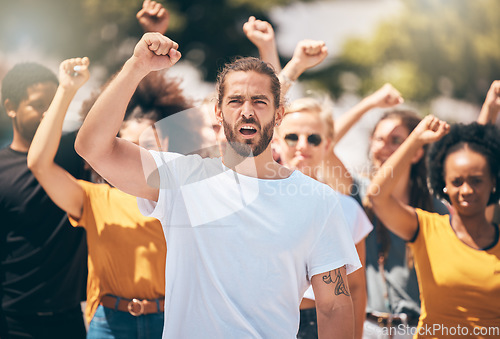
pixel 459 285
pixel 126 250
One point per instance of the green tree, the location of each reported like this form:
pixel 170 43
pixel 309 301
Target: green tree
pixel 428 44
pixel 209 31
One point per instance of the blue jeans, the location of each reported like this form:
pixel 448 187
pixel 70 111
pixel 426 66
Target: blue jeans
pixel 110 324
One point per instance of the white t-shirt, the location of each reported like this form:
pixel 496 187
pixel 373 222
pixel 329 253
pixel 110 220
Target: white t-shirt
pixel 240 249
pixel 358 224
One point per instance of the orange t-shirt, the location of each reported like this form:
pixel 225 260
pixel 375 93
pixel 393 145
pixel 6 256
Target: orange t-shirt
pixel 126 250
pixel 459 285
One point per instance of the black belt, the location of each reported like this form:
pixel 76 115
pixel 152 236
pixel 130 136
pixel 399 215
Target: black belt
pixel 387 319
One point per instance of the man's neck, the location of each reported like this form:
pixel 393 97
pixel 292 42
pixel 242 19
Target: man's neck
pixel 19 144
pixel 262 166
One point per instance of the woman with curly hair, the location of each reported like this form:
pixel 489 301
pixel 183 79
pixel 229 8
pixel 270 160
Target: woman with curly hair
pixel 457 257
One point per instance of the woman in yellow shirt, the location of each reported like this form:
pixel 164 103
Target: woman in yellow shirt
pixel 126 250
pixel 457 257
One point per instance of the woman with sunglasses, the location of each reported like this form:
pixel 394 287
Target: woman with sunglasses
pixel 303 139
pixel 456 256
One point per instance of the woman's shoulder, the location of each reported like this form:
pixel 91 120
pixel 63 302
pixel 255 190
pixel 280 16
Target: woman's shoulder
pixel 429 220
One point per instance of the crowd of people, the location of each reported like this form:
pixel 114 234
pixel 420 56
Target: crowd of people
pixel 235 218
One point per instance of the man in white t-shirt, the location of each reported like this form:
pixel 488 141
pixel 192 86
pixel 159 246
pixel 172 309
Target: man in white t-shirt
pixel 245 236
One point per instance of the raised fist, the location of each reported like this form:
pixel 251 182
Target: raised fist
pixel 309 53
pixel 259 32
pixel 385 96
pixel 153 17
pixel 155 52
pixel 431 129
pixel 73 73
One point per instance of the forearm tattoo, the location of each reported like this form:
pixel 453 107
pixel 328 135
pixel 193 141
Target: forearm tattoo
pixel 340 287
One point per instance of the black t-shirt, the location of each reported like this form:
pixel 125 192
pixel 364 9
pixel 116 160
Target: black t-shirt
pixel 43 258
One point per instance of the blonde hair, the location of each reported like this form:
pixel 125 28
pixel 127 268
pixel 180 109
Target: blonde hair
pixel 323 108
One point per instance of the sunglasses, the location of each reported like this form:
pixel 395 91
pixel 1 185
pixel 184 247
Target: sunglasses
pixel 312 139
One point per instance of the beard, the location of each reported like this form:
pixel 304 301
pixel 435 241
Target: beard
pixel 247 148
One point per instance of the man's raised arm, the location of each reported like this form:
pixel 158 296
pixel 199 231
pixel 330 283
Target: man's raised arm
pixel 307 54
pixel 122 163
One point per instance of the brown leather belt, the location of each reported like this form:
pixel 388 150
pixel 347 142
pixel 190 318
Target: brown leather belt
pixel 387 319
pixel 136 307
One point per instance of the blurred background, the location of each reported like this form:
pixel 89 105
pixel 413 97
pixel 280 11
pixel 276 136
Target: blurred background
pixel 442 55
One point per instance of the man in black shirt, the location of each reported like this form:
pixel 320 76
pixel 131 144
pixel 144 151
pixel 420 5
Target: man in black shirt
pixel 42 258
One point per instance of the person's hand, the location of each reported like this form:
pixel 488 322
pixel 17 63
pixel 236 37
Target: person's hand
pixel 310 53
pixel 385 96
pixel 73 73
pixel 430 129
pixel 492 100
pixel 155 52
pixel 153 17
pixel 259 32
pixel 307 54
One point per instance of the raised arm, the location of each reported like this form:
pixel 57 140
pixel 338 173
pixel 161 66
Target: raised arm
pixel 335 174
pixel 491 106
pixel 153 17
pixel 386 96
pixel 122 163
pixel 307 54
pixel 333 304
pixel 489 115
pixel 61 186
pixel 397 216
pixel 261 34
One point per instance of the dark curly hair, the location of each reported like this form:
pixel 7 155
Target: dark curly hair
pixel 158 97
pixel 483 139
pixel 156 92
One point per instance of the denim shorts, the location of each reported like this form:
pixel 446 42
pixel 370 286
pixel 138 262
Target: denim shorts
pixel 109 324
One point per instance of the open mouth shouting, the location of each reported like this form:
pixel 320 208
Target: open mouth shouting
pixel 248 131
